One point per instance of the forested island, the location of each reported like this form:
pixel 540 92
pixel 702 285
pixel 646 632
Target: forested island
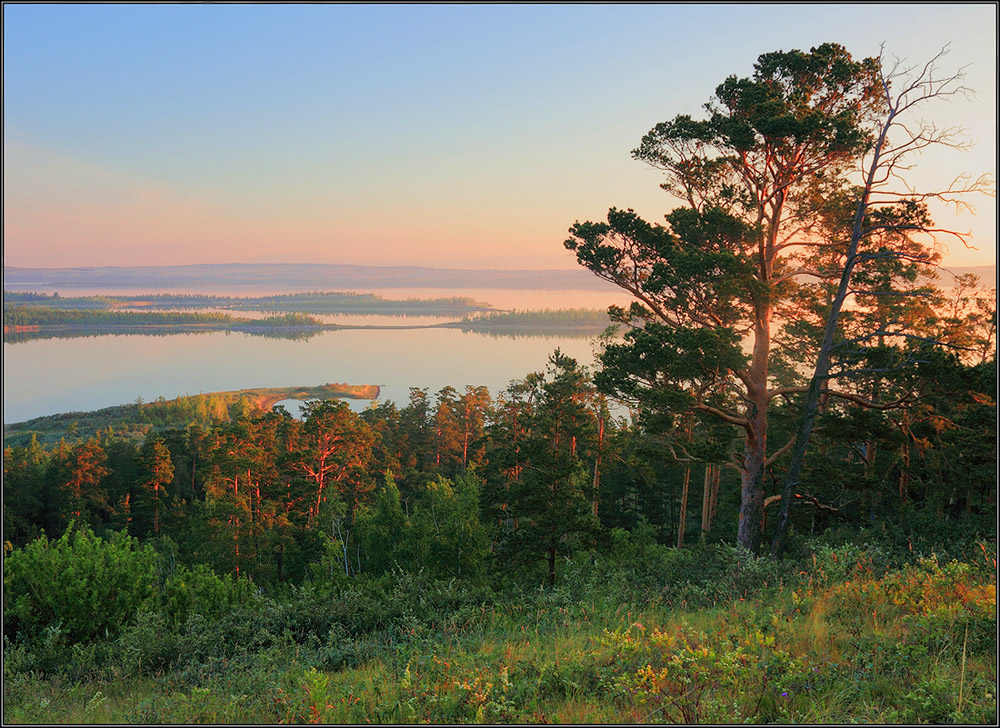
pixel 26 319
pixel 26 323
pixel 312 302
pixel 138 419
pixel 774 500
pixel 588 321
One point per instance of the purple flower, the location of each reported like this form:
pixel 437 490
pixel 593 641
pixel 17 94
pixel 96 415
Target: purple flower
pixel 784 695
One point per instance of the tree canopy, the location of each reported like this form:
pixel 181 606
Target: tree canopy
pixel 725 291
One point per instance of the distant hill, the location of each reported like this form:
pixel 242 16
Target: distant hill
pixel 302 276
pixel 322 277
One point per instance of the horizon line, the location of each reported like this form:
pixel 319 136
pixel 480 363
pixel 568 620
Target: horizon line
pixel 342 265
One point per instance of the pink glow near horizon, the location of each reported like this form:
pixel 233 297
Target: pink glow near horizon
pixel 99 217
pixel 152 226
pixel 96 216
pixel 152 135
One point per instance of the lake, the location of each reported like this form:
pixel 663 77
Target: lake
pixel 49 376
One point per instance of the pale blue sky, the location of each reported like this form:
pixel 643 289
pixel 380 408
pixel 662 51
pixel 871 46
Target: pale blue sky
pixel 456 136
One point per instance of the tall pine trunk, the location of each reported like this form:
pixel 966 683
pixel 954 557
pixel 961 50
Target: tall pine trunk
pixel 596 494
pixel 684 505
pixel 709 493
pixel 749 533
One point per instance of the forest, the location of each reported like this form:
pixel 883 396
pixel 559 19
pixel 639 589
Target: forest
pixel 772 501
pixel 140 419
pixel 312 302
pixel 29 317
pixel 578 319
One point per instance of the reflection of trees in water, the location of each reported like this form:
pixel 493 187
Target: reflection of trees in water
pixel 21 337
pixel 278 334
pixel 534 333
pixel 528 332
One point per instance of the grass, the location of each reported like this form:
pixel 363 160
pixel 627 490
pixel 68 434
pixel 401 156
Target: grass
pixel 911 645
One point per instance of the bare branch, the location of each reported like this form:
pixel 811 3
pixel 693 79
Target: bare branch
pixel 903 401
pixel 687 456
pixel 772 499
pixel 725 416
pixel 832 275
pixel 780 451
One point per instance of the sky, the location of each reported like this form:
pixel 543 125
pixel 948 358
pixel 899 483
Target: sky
pixel 459 136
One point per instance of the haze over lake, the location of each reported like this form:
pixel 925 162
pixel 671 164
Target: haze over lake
pixel 49 376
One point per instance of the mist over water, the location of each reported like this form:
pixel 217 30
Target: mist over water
pixel 49 376
pixel 503 298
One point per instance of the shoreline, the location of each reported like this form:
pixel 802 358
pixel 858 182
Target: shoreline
pixel 41 330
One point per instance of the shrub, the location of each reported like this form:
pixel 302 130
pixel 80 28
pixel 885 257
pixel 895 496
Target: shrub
pixel 199 590
pixel 835 565
pixel 241 631
pixel 81 584
pixel 342 651
pixel 638 570
pixel 912 533
pixel 147 644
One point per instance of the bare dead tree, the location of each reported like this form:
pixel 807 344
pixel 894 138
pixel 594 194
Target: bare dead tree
pixel 885 187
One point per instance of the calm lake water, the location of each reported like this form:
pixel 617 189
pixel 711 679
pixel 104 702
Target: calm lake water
pixel 49 376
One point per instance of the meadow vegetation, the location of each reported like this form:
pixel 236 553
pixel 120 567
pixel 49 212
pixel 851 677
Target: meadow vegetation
pixel 638 632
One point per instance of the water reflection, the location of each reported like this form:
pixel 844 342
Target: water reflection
pixel 299 334
pixel 48 376
pixel 344 319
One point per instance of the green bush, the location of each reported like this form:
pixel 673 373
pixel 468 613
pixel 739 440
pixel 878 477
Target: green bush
pixel 636 569
pixel 342 651
pixel 835 565
pixel 146 644
pixel 240 632
pixel 199 590
pixel 80 584
pixel 911 533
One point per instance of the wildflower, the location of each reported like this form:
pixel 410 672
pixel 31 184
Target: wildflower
pixel 784 694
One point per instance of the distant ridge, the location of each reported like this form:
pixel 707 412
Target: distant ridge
pixel 323 276
pixel 303 276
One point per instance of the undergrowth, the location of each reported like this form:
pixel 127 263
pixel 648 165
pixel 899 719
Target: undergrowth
pixel 642 634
